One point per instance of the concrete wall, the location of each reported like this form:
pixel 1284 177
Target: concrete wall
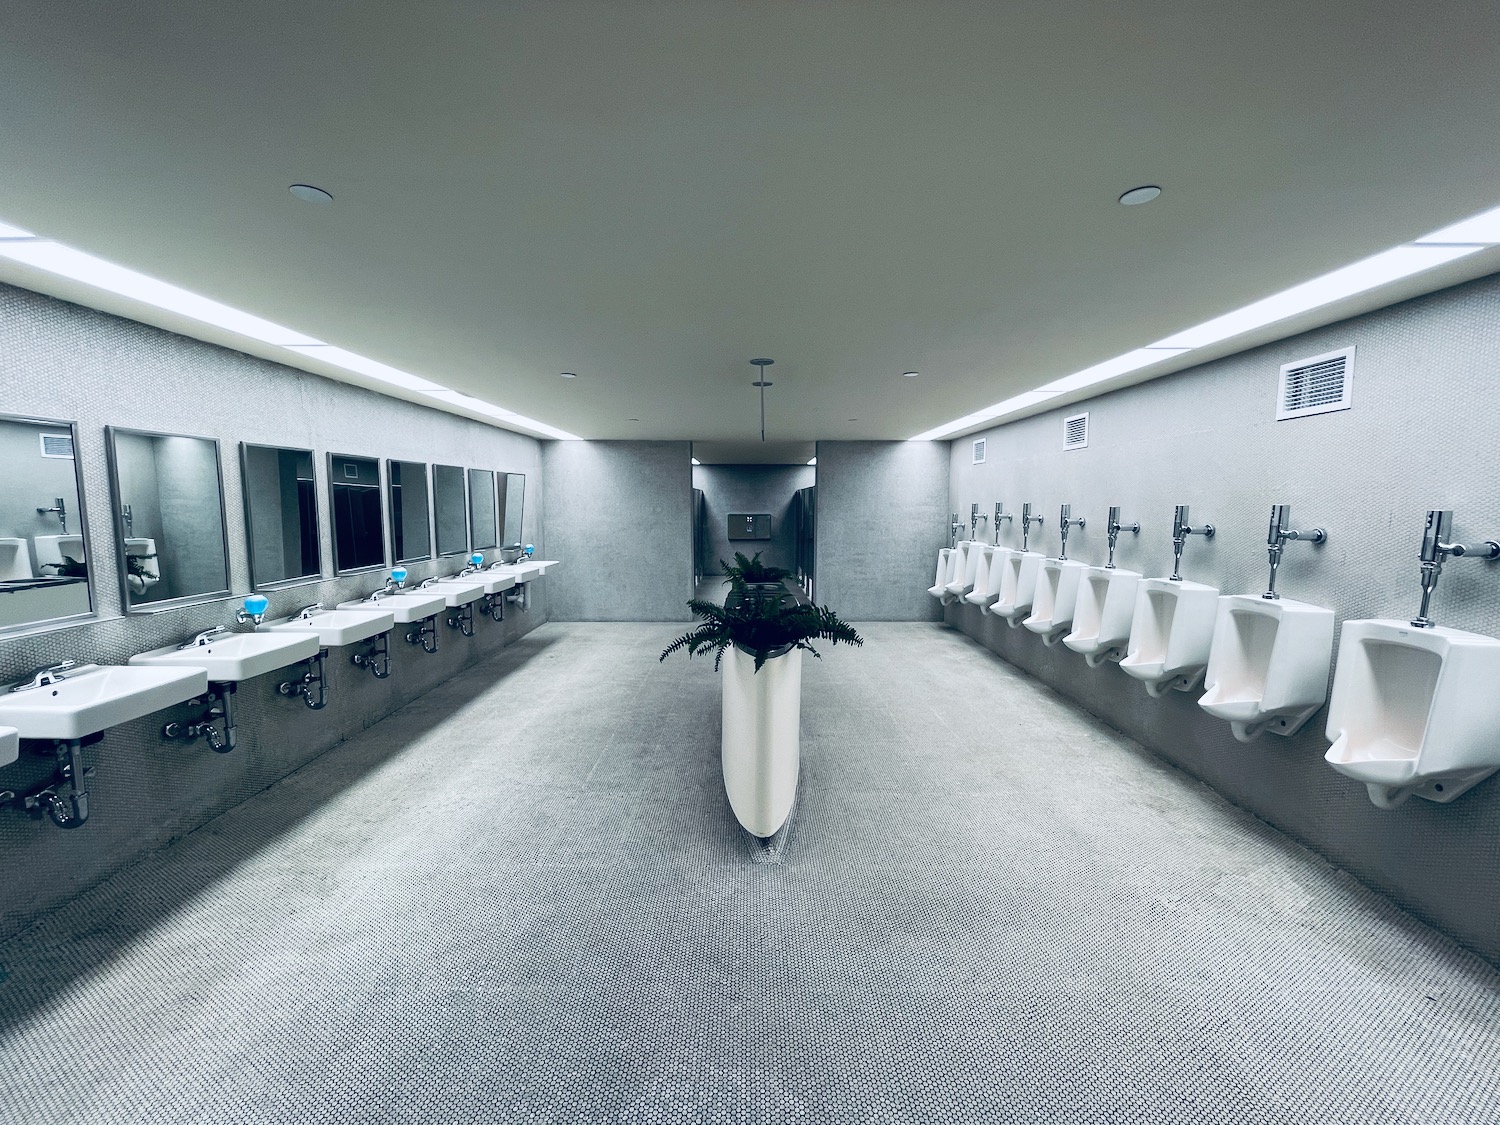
pixel 620 513
pixel 1424 416
pixel 61 361
pixel 882 517
pixel 751 488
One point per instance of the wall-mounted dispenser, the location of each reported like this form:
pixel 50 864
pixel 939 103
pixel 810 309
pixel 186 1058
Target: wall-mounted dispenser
pixel 253 610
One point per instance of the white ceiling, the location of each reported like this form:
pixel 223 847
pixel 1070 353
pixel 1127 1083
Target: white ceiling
pixel 650 194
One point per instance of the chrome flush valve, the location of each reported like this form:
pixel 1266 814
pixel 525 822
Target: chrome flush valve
pixel 1000 514
pixel 1276 540
pixel 1435 551
pixel 1065 521
pixel 1112 529
pixel 1180 531
pixel 954 527
pixel 1027 519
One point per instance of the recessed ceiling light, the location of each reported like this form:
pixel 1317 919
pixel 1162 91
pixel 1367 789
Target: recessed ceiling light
pixel 910 374
pixel 568 374
pixel 309 194
pixel 1138 195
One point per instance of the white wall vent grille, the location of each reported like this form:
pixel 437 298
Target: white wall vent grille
pixel 1076 431
pixel 1315 386
pixel 57 445
pixel 979 451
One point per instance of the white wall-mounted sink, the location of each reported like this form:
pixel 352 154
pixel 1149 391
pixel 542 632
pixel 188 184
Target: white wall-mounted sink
pixel 236 656
pixel 335 627
pixel 524 572
pixel 97 697
pixel 494 581
pixel 1268 667
pixel 456 591
pixel 544 565
pixel 10 745
pixel 1102 614
pixel 406 608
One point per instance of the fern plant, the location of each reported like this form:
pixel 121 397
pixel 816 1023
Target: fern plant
pixel 763 628
pixel 751 571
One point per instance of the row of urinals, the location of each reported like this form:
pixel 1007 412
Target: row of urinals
pixel 55 550
pixel 1413 710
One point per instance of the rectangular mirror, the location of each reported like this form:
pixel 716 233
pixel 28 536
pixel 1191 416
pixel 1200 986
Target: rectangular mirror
pixel 358 529
pixel 168 493
pixel 512 500
pixel 450 510
pixel 281 515
pixel 44 560
pixel 411 526
pixel 481 509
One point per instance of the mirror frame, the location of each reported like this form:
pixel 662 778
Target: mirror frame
pixel 332 516
pixel 126 605
pixel 437 547
pixel 27 627
pixel 494 508
pixel 280 583
pixel 499 500
pixel 390 511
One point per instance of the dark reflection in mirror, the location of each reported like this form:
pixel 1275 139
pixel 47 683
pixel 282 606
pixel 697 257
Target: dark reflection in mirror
pixel 512 500
pixel 281 514
pixel 448 507
pixel 481 509
pixel 44 565
pixel 358 531
pixel 411 527
pixel 169 517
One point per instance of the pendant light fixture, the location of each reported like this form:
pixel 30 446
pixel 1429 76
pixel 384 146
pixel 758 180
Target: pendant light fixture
pixel 762 384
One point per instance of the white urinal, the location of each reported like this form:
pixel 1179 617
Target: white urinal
pixel 987 585
pixel 1268 668
pixel 975 596
pixel 1102 614
pixel 963 575
pixel 1056 596
pixel 940 579
pixel 1171 633
pixel 145 550
pixel 1414 711
pixel 1017 586
pixel 50 549
pixel 15 559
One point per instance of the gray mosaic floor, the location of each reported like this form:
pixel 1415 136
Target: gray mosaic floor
pixel 523 899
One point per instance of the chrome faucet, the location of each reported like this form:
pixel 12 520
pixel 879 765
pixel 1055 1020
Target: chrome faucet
pixel 1276 540
pixel 1435 551
pixel 1112 529
pixel 1180 531
pixel 203 638
pixel 47 674
pixel 60 508
pixel 1000 514
pixel 306 612
pixel 426 582
pixel 1065 521
pixel 1027 519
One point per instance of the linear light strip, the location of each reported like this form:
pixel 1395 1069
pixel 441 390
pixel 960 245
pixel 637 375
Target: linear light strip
pixel 1428 252
pixel 54 257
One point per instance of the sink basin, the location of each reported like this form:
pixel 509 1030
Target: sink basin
pixel 407 609
pixel 545 565
pixel 10 745
pixel 336 627
pixel 495 581
pixel 236 657
pixel 96 697
pixel 526 571
pixel 457 591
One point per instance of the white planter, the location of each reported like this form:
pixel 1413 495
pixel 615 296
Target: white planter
pixel 762 737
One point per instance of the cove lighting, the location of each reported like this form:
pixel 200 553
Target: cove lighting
pixel 1428 252
pixel 813 461
pixel 64 261
pixel 696 461
pixel 22 246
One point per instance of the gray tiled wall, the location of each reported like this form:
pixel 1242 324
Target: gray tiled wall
pixel 751 488
pixel 882 515
pixel 621 513
pixel 1424 418
pixel 61 361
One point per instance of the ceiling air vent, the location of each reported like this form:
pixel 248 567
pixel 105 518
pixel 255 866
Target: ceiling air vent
pixel 1076 431
pixel 57 445
pixel 979 451
pixel 1315 386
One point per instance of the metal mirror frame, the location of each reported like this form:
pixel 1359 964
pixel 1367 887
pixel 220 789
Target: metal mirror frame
pixel 500 530
pixel 281 583
pixel 474 544
pixel 437 546
pixel 27 627
pixel 333 515
pixel 116 501
pixel 390 515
